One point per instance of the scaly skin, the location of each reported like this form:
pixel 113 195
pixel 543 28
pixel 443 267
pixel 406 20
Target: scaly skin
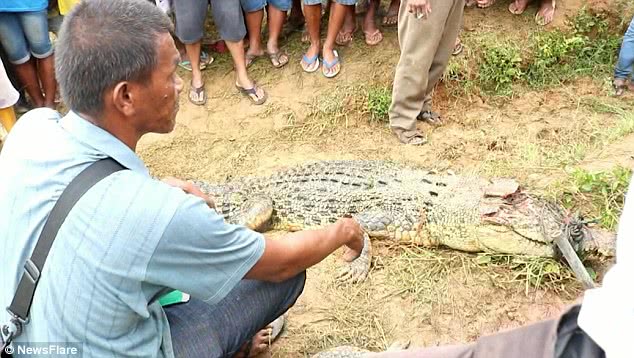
pixel 402 204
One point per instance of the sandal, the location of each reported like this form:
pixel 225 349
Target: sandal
pixel 417 139
pixel 251 58
pixel 458 47
pixel 430 117
pixel 205 60
pixel 278 59
pixel 197 95
pixel 327 66
pixel 311 64
pixel 345 38
pixel 373 38
pixel 486 4
pixel 620 85
pixel 252 94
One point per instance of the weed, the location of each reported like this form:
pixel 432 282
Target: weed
pixel 598 194
pixel 379 100
pixel 500 67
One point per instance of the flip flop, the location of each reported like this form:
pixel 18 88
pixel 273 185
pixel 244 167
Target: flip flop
pixel 415 140
pixel 487 4
pixel 457 49
pixel 251 58
pixel 205 60
pixel 277 57
pixel 311 64
pixel 373 38
pixel 513 10
pixel 197 95
pixel 327 66
pixel 430 117
pixel 253 91
pixel 345 38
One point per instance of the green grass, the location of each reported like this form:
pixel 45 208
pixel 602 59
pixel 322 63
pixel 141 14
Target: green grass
pixel 379 100
pixel 597 194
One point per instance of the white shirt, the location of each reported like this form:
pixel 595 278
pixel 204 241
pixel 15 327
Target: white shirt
pixel 607 313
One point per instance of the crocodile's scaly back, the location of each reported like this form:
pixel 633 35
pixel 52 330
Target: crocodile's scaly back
pixel 400 203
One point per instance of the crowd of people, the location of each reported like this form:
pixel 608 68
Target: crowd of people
pixel 131 239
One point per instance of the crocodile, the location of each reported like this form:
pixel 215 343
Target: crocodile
pixel 405 204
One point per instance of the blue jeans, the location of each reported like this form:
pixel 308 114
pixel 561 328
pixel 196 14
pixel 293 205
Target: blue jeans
pixel 23 34
pixel 626 57
pixel 201 330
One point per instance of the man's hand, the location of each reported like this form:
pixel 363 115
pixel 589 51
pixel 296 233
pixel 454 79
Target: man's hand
pixel 420 8
pixel 352 233
pixel 190 188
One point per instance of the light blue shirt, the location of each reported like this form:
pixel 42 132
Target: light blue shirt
pixel 23 5
pixel 127 241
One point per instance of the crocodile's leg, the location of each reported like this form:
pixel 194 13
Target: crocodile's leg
pixel 375 223
pixel 255 214
pixel 357 270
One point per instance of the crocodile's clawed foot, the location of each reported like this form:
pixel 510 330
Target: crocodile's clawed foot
pixel 357 270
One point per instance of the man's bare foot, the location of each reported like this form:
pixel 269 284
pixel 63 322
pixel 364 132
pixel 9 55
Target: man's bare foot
pixel 260 343
pixel 546 12
pixel 517 7
pixel 346 34
pixel 391 18
pixel 483 4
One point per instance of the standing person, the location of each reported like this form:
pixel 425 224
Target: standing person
pixel 24 36
pixel 276 15
pixel 190 21
pixel 545 15
pixel 8 97
pixel 427 32
pixel 625 64
pixel 131 238
pixel 331 65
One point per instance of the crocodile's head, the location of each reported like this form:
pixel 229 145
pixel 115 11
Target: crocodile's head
pixel 526 224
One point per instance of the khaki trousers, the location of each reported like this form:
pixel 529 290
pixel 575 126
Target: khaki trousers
pixel 426 46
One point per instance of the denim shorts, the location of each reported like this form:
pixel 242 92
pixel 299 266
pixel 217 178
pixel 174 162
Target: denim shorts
pixel 256 5
pixel 23 34
pixel 191 14
pixel 342 2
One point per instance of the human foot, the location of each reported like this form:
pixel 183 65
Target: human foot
pixel 391 18
pixel 262 340
pixel 253 92
pixel 620 85
pixel 331 66
pixel 252 55
pixel 310 60
pixel 483 4
pixel 517 7
pixel 546 12
pixel 346 34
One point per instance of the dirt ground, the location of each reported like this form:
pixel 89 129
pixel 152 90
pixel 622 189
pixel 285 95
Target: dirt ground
pixel 428 297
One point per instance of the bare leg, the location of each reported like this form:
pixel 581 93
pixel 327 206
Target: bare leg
pixel 275 20
pixel 312 14
pixel 518 7
pixel 391 18
pixel 254 28
pixel 346 34
pixel 46 71
pixel 196 93
pixel 337 15
pixel 296 18
pixel 546 12
pixel 242 77
pixel 372 34
pixel 28 76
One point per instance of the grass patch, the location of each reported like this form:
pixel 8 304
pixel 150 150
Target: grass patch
pixel 379 101
pixel 596 194
pixel 588 47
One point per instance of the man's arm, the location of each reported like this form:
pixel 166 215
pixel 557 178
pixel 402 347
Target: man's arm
pixel 285 258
